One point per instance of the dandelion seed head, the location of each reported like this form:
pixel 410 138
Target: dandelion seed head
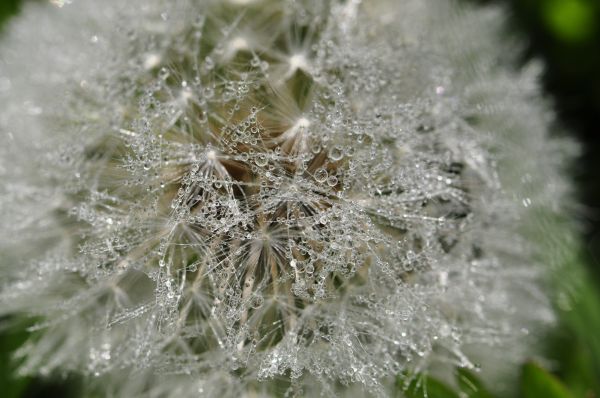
pixel 298 196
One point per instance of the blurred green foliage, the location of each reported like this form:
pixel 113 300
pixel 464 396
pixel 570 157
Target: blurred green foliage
pixel 7 8
pixel 11 387
pixel 537 383
pixel 470 385
pixel 569 20
pixel 425 386
pixel 576 347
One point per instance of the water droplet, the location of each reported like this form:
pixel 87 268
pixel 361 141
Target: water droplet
pixel 336 153
pixel 320 175
pixel 164 73
pixel 198 21
pixel 209 64
pixel 208 92
pixel 257 302
pixel 261 160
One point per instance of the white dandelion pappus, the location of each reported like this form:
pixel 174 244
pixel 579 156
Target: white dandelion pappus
pixel 208 198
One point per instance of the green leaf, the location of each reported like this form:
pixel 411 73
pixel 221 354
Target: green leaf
pixel 576 346
pixel 11 386
pixel 7 8
pixel 538 383
pixel 570 20
pixel 470 385
pixel 426 387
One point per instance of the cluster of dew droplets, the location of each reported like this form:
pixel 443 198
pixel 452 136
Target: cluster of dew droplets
pixel 255 195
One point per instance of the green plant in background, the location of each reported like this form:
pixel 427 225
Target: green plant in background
pixel 254 197
pixel 570 20
pixel 10 342
pixel 7 8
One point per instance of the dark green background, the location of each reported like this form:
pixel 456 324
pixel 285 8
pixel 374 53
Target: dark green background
pixel 566 35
